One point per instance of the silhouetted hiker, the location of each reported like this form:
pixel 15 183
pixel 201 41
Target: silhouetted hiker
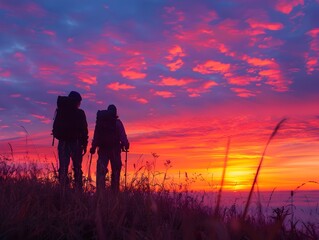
pixel 110 138
pixel 71 129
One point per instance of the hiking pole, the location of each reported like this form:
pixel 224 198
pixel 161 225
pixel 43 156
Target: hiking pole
pixel 89 170
pixel 125 173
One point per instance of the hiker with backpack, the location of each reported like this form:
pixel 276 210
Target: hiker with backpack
pixel 110 138
pixel 71 129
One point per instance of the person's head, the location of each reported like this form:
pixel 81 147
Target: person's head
pixel 76 97
pixel 112 110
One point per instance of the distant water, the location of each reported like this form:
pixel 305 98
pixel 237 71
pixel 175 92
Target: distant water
pixel 302 206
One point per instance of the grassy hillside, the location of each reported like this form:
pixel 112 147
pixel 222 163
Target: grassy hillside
pixel 33 206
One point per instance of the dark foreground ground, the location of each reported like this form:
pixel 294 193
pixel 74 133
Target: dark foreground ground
pixel 35 208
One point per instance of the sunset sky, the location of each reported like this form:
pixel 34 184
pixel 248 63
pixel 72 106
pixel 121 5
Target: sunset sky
pixel 186 76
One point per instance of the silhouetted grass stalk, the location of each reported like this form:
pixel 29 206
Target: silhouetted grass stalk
pixel 259 166
pixel 223 178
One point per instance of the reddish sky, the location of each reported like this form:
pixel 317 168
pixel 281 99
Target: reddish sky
pixel 185 75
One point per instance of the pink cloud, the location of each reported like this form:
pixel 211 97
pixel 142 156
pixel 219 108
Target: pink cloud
pixel 242 80
pixel 270 70
pixel 259 62
pixel 196 92
pixel 311 64
pixel 211 66
pixel 210 16
pixel 164 94
pixel 175 58
pixel 5 74
pixel 209 84
pixel 116 86
pixel 25 120
pixel 173 16
pixel 43 119
pixel 139 99
pixel 90 61
pixel 286 6
pixel 133 68
pixel 270 42
pixel 19 56
pixel 311 57
pixel 242 92
pixel 86 78
pixel 170 81
pixel 254 23
pixel 49 33
pixel 313 32
pixel 175 51
pixel 276 79
pixel 131 74
pixel 54 92
pixel 173 66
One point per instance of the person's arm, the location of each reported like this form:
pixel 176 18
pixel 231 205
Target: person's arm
pixel 123 137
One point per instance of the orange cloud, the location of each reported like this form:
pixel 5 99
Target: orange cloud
pixel 259 62
pixel 164 94
pixel 118 86
pixel 273 74
pixel 242 92
pixel 264 25
pixel 196 92
pixel 131 74
pixel 175 51
pixel 133 68
pixel 311 57
pixel 138 99
pixel 286 6
pixel 242 80
pixel 175 55
pixel 211 66
pixel 173 66
pixel 276 79
pixel 209 84
pixel 86 78
pixel 170 81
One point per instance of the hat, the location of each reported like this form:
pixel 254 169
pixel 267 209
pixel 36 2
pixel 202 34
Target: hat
pixel 112 109
pixel 76 96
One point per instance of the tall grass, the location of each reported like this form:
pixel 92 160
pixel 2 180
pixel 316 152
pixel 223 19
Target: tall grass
pixel 260 164
pixel 33 206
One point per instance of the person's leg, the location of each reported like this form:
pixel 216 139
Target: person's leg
pixel 101 168
pixel 64 161
pixel 116 165
pixel 76 155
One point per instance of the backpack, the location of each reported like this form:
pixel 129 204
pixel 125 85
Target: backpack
pixel 105 133
pixel 64 125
